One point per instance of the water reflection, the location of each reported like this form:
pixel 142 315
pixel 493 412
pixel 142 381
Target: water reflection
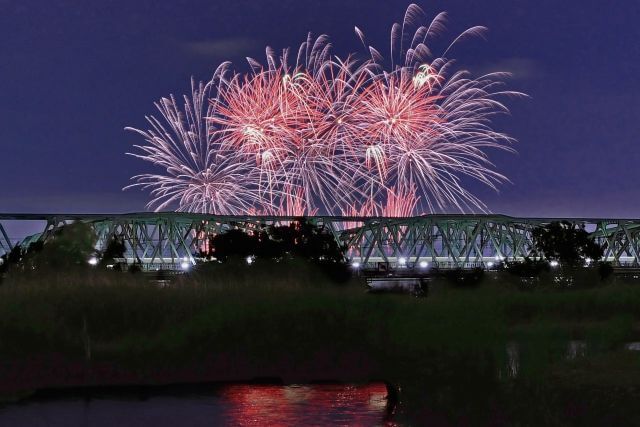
pixel 576 349
pixel 632 346
pixel 306 405
pixel 241 405
pixel 513 359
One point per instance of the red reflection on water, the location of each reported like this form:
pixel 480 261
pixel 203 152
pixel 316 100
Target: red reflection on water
pixel 276 405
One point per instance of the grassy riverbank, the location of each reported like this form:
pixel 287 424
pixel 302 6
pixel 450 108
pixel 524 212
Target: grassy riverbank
pixel 239 323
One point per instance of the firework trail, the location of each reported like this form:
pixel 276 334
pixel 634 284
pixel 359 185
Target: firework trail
pixel 320 134
pixel 197 177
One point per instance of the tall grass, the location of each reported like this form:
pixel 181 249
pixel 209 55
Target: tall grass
pixel 450 352
pixel 289 320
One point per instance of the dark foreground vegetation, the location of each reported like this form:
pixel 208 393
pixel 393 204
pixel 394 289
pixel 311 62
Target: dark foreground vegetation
pixel 460 355
pixel 528 345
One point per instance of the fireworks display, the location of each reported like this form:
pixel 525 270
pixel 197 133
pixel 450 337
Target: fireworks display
pixel 309 133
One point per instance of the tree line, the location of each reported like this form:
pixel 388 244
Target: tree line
pixel 569 245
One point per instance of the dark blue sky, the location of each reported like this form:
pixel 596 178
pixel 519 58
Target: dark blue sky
pixel 73 74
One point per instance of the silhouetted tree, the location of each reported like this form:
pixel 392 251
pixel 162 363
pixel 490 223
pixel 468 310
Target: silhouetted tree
pixel 134 268
pixel 11 259
pixel 303 239
pixel 566 243
pixel 115 249
pixel 298 239
pixel 605 269
pixel 233 243
pixel 71 246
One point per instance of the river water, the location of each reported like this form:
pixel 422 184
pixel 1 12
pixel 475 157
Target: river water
pixel 237 404
pixel 460 394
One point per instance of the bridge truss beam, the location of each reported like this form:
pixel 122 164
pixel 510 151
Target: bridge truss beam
pixel 5 242
pixel 166 240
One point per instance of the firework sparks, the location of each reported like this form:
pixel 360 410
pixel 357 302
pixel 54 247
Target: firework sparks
pixel 331 136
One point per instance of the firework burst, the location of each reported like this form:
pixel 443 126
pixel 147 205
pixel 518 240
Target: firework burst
pixel 392 137
pixel 197 178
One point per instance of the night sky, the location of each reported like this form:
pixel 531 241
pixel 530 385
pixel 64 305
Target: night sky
pixel 73 74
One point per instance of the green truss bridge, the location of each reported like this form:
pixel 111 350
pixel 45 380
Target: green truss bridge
pixel 172 240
